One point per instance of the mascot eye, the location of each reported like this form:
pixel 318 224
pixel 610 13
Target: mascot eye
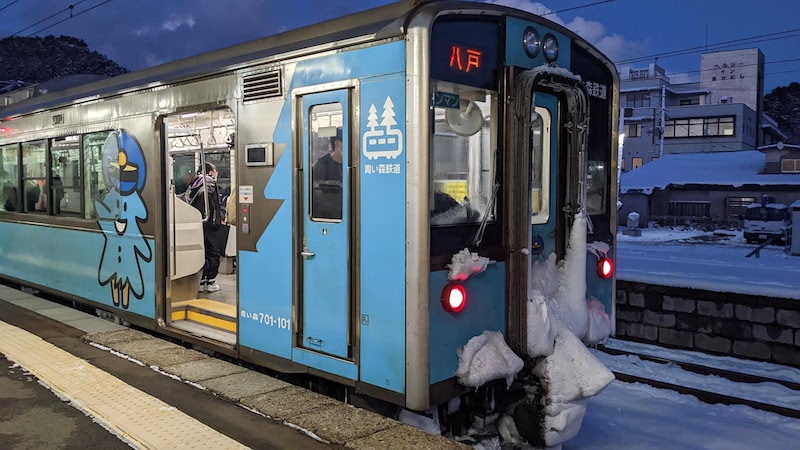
pixel 125 206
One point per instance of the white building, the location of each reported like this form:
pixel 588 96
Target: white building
pixel 719 111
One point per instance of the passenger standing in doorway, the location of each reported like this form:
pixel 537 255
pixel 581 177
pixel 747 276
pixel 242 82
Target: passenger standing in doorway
pixel 196 196
pixel 326 176
pixel 329 166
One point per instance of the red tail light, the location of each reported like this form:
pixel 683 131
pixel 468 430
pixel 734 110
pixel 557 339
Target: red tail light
pixel 454 297
pixel 605 267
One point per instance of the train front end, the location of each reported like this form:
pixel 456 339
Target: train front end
pixel 514 138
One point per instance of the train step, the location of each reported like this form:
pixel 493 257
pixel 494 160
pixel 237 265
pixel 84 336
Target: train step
pixel 208 312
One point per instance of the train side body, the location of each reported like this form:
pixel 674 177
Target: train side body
pixel 353 295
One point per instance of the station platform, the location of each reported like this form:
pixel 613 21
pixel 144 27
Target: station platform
pixel 152 393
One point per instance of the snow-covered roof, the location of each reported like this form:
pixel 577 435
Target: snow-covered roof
pixel 714 168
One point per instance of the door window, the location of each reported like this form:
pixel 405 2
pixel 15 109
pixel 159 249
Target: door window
pixel 34 180
pixel 325 159
pixel 540 165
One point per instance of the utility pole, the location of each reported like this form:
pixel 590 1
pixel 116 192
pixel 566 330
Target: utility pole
pixel 663 118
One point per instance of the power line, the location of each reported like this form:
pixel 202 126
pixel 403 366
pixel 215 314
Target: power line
pixel 68 8
pixel 4 7
pixel 723 44
pixel 577 7
pixel 70 17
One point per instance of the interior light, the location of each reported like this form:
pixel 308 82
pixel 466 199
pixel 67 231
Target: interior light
pixel 454 297
pixel 605 267
pixel 550 47
pixel 531 42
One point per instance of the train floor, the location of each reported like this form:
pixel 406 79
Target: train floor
pixel 152 393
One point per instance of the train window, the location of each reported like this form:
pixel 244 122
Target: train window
pixel 463 155
pixel 34 176
pixel 9 178
pixel 596 185
pixel 325 154
pixel 94 184
pixel 540 165
pixel 65 175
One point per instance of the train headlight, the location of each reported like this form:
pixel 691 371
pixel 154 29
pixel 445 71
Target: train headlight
pixel 454 297
pixel 531 42
pixel 605 267
pixel 550 47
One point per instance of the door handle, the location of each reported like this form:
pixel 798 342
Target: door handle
pixel 312 341
pixel 306 254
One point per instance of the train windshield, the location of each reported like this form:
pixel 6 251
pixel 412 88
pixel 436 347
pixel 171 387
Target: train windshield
pixel 463 155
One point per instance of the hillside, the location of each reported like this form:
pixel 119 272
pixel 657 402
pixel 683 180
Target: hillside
pixel 37 59
pixel 783 105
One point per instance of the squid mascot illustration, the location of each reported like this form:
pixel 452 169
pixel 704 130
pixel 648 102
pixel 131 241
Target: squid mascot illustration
pixel 119 212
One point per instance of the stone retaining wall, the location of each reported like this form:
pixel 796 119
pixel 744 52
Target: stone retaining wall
pixel 742 326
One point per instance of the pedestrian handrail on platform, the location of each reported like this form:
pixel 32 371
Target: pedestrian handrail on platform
pixel 757 250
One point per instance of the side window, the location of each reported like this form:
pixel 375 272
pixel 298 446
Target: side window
pixel 9 178
pixel 65 175
pixel 94 183
pixel 34 176
pixel 325 154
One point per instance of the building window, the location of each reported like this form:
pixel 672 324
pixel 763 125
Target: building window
pixel 622 165
pixel 790 166
pixel 638 100
pixel 639 74
pixel 689 209
pixel 634 130
pixel 636 163
pixel 699 126
pixel 738 206
pixel 653 158
pixel 690 101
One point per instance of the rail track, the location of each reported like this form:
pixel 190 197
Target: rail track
pixel 704 395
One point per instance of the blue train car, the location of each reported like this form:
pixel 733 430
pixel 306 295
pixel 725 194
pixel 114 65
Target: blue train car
pixel 362 155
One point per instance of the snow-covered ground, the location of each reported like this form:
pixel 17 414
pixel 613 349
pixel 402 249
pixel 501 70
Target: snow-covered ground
pixel 714 261
pixel 635 416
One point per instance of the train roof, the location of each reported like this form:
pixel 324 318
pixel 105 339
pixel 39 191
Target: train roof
pixel 384 21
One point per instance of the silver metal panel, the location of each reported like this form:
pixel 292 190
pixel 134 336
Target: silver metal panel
pixel 417 195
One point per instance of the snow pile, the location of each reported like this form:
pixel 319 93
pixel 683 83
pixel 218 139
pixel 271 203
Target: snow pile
pixel 559 318
pixel 560 322
pixel 465 264
pixel 485 358
pixel 563 288
pixel 429 424
pixel 541 333
pixel 599 326
pixel 569 377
